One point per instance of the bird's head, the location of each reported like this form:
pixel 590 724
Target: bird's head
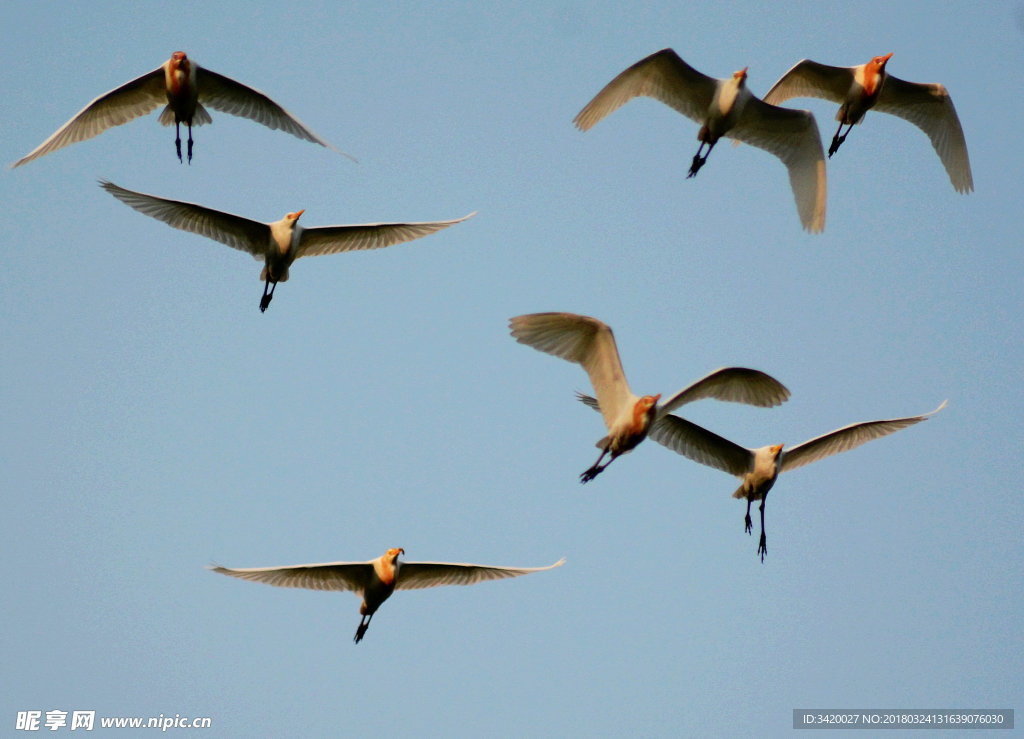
pixel 392 554
pixel 878 62
pixel 179 60
pixel 649 401
pixel 294 216
pixel 776 450
pixel 740 76
pixel 646 405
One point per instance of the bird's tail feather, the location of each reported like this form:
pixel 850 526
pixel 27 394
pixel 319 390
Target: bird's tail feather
pixel 199 118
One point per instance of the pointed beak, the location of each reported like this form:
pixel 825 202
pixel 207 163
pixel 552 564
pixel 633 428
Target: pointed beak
pixel 742 74
pixel 299 214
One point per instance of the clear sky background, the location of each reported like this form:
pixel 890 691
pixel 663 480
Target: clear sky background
pixel 153 421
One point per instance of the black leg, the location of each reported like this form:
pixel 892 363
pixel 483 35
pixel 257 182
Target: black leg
pixel 838 140
pixel 364 624
pixel 595 469
pixel 267 296
pixel 177 138
pixel 189 144
pixel 698 161
pixel 747 524
pixel 762 548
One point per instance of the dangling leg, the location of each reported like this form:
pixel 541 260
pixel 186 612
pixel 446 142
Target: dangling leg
pixel 177 138
pixel 762 548
pixel 595 469
pixel 698 162
pixel 267 296
pixel 364 624
pixel 190 142
pixel 746 521
pixel 837 140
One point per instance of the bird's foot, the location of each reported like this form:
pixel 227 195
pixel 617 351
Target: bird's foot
pixel 264 302
pixel 177 145
pixel 762 548
pixel 695 166
pixel 590 473
pixel 360 632
pixel 189 150
pixel 837 141
pixel 747 525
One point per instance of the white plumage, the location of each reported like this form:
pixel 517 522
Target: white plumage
pixel 724 107
pixel 759 468
pixel 861 88
pixel 277 244
pixel 628 417
pixel 185 88
pixel 377 579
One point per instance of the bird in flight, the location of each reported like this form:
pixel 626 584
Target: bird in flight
pixel 377 579
pixel 759 468
pixel 187 89
pixel 859 89
pixel 725 107
pixel 277 244
pixel 628 417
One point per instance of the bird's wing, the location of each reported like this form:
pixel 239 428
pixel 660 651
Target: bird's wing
pixel 225 94
pixel 415 575
pixel 132 99
pixel 930 108
pixel 810 79
pixel 334 239
pixel 663 76
pixel 235 231
pixel 584 340
pixel 354 576
pixel 697 443
pixel 792 136
pixel 733 384
pixel 846 438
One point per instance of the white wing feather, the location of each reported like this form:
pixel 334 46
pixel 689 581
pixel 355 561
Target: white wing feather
pixel 353 576
pixel 792 136
pixel 225 94
pixel 415 575
pixel 662 76
pixel 807 78
pixel 129 101
pixel 702 446
pixel 846 438
pixel 930 108
pixel 235 231
pixel 732 384
pixel 586 341
pixel 333 239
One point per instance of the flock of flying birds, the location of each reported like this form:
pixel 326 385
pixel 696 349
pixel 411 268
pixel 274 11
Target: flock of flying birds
pixel 722 107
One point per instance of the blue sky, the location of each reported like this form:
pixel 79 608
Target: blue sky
pixel 154 421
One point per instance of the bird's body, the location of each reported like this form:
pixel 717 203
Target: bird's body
pixel 277 244
pixel 869 86
pixel 725 107
pixel 377 579
pixel 185 87
pixel 759 468
pixel 182 89
pixel 628 417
